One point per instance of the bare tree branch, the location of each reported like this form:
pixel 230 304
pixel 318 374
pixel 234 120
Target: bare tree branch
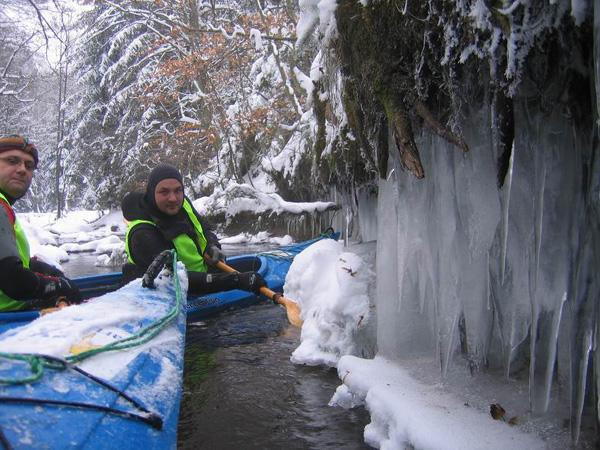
pixel 44 23
pixel 14 53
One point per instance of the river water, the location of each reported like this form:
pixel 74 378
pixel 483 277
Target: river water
pixel 242 391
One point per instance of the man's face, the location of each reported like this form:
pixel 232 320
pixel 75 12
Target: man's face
pixel 16 171
pixel 168 196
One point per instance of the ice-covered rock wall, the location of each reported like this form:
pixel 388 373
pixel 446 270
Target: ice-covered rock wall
pixel 487 258
pixel 471 274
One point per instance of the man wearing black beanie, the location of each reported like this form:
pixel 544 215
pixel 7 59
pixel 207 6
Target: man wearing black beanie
pixel 25 282
pixel 164 218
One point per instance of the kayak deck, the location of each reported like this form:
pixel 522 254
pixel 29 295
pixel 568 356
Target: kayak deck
pixel 130 396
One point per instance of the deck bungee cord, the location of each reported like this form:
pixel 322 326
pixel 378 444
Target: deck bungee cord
pixel 38 362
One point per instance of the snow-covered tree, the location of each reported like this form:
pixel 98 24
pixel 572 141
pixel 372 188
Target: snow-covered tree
pixel 29 86
pixel 106 120
pixel 209 87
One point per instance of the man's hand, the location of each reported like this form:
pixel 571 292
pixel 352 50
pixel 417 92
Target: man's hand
pixel 251 281
pixel 213 255
pixel 56 289
pixel 60 304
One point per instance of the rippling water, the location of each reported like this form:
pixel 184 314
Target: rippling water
pixel 242 391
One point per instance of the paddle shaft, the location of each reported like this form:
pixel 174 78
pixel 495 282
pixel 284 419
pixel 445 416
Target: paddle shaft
pixel 291 307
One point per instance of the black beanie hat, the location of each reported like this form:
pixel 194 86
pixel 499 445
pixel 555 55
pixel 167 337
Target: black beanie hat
pixel 16 142
pixel 159 173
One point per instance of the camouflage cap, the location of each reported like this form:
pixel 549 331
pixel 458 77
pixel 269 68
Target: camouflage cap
pixel 16 142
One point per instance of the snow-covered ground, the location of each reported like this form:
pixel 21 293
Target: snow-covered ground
pixel 101 234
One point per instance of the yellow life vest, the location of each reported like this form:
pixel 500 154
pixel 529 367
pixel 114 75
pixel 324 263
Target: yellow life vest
pixel 7 303
pixel 187 248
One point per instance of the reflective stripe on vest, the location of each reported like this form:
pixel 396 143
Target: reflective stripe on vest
pixel 187 251
pixel 7 303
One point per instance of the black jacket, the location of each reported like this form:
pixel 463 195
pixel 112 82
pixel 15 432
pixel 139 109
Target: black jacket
pixel 147 241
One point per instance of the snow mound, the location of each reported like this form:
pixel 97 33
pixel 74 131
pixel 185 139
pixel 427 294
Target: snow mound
pixel 408 414
pixel 330 286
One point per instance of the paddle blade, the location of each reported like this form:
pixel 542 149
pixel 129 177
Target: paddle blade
pixel 293 312
pixel 292 308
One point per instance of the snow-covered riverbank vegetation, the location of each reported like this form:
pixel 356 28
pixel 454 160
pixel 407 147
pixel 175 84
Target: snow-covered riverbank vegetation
pixel 461 135
pixel 102 233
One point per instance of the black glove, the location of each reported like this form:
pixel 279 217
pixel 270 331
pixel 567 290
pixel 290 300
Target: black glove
pixel 52 289
pixel 213 255
pixel 39 266
pixel 251 281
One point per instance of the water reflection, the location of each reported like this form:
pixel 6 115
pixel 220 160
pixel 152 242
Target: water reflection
pixel 82 264
pixel 253 397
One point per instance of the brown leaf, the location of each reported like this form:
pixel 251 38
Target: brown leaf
pixel 497 411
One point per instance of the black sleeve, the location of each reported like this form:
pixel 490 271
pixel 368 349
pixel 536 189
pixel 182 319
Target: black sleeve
pixel 16 281
pixel 201 283
pixel 145 243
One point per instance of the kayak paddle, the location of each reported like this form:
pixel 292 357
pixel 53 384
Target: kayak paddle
pixel 291 307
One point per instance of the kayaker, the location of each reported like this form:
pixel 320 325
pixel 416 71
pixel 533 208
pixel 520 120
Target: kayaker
pixel 164 218
pixel 25 282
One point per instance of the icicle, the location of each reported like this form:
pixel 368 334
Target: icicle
pixel 534 348
pixel 348 220
pixel 597 59
pixel 400 242
pixel 535 315
pixel 553 344
pixel 581 383
pixel 539 218
pixel 453 331
pixel 400 269
pixel 488 286
pixel 509 346
pixel 423 277
pixel 512 345
pixel 505 205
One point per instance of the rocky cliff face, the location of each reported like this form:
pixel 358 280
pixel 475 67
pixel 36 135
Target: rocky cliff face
pixel 424 65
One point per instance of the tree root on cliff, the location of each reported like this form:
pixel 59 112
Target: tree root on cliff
pixel 423 112
pixel 403 133
pixel 405 141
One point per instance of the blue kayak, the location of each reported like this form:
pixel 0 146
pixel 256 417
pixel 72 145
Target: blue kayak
pixel 108 373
